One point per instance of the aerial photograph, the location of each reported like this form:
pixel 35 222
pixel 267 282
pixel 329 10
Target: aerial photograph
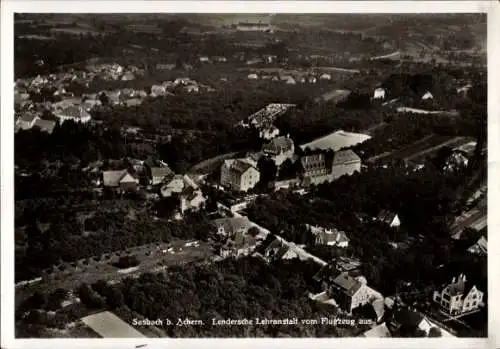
pixel 250 175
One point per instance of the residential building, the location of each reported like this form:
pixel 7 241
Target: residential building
pixel 379 93
pixel 480 247
pixel 229 227
pixel 328 237
pixel 158 175
pixel 122 179
pixel 350 293
pixel 314 165
pixel 45 125
pixel 389 218
pixel 158 90
pixel 192 198
pixel 459 296
pixel 75 113
pixel 427 96
pixel 269 132
pixel 26 121
pixel 279 149
pixel 239 175
pixel 128 76
pixel 173 183
pixel 345 162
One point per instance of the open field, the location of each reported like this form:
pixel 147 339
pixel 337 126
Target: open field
pixel 336 141
pixel 414 148
pixel 151 256
pixel 451 143
pixel 108 325
pixel 335 95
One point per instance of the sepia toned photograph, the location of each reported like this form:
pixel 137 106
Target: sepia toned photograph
pixel 239 175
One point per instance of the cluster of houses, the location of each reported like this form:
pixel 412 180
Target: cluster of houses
pixel 115 71
pixel 160 180
pixel 316 167
pixel 78 109
pixel 291 78
pixel 28 121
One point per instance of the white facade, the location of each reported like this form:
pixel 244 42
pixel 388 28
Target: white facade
pixel 454 301
pixel 379 93
pixel 238 180
pixel 345 169
pixel 427 95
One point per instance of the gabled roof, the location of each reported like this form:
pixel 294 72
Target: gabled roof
pixel 45 125
pixel 113 178
pixel 279 145
pixel 347 284
pixel 27 117
pixel 233 224
pixel 380 331
pixel 238 166
pixel 386 216
pixel 160 172
pixel 345 156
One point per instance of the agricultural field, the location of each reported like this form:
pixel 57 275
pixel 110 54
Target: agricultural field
pixel 336 141
pixel 108 325
pixel 412 149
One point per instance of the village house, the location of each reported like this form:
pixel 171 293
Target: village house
pixel 75 113
pixel 26 121
pixel 122 179
pixel 379 93
pixel 157 175
pixel 44 125
pixel 389 218
pixel 239 175
pixel 427 96
pixel 480 247
pixel 192 198
pixel 328 237
pixel 325 77
pixel 279 149
pixel 171 185
pixel 345 162
pixel 269 132
pixel 459 296
pixel 351 293
pixel 280 249
pixel 228 227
